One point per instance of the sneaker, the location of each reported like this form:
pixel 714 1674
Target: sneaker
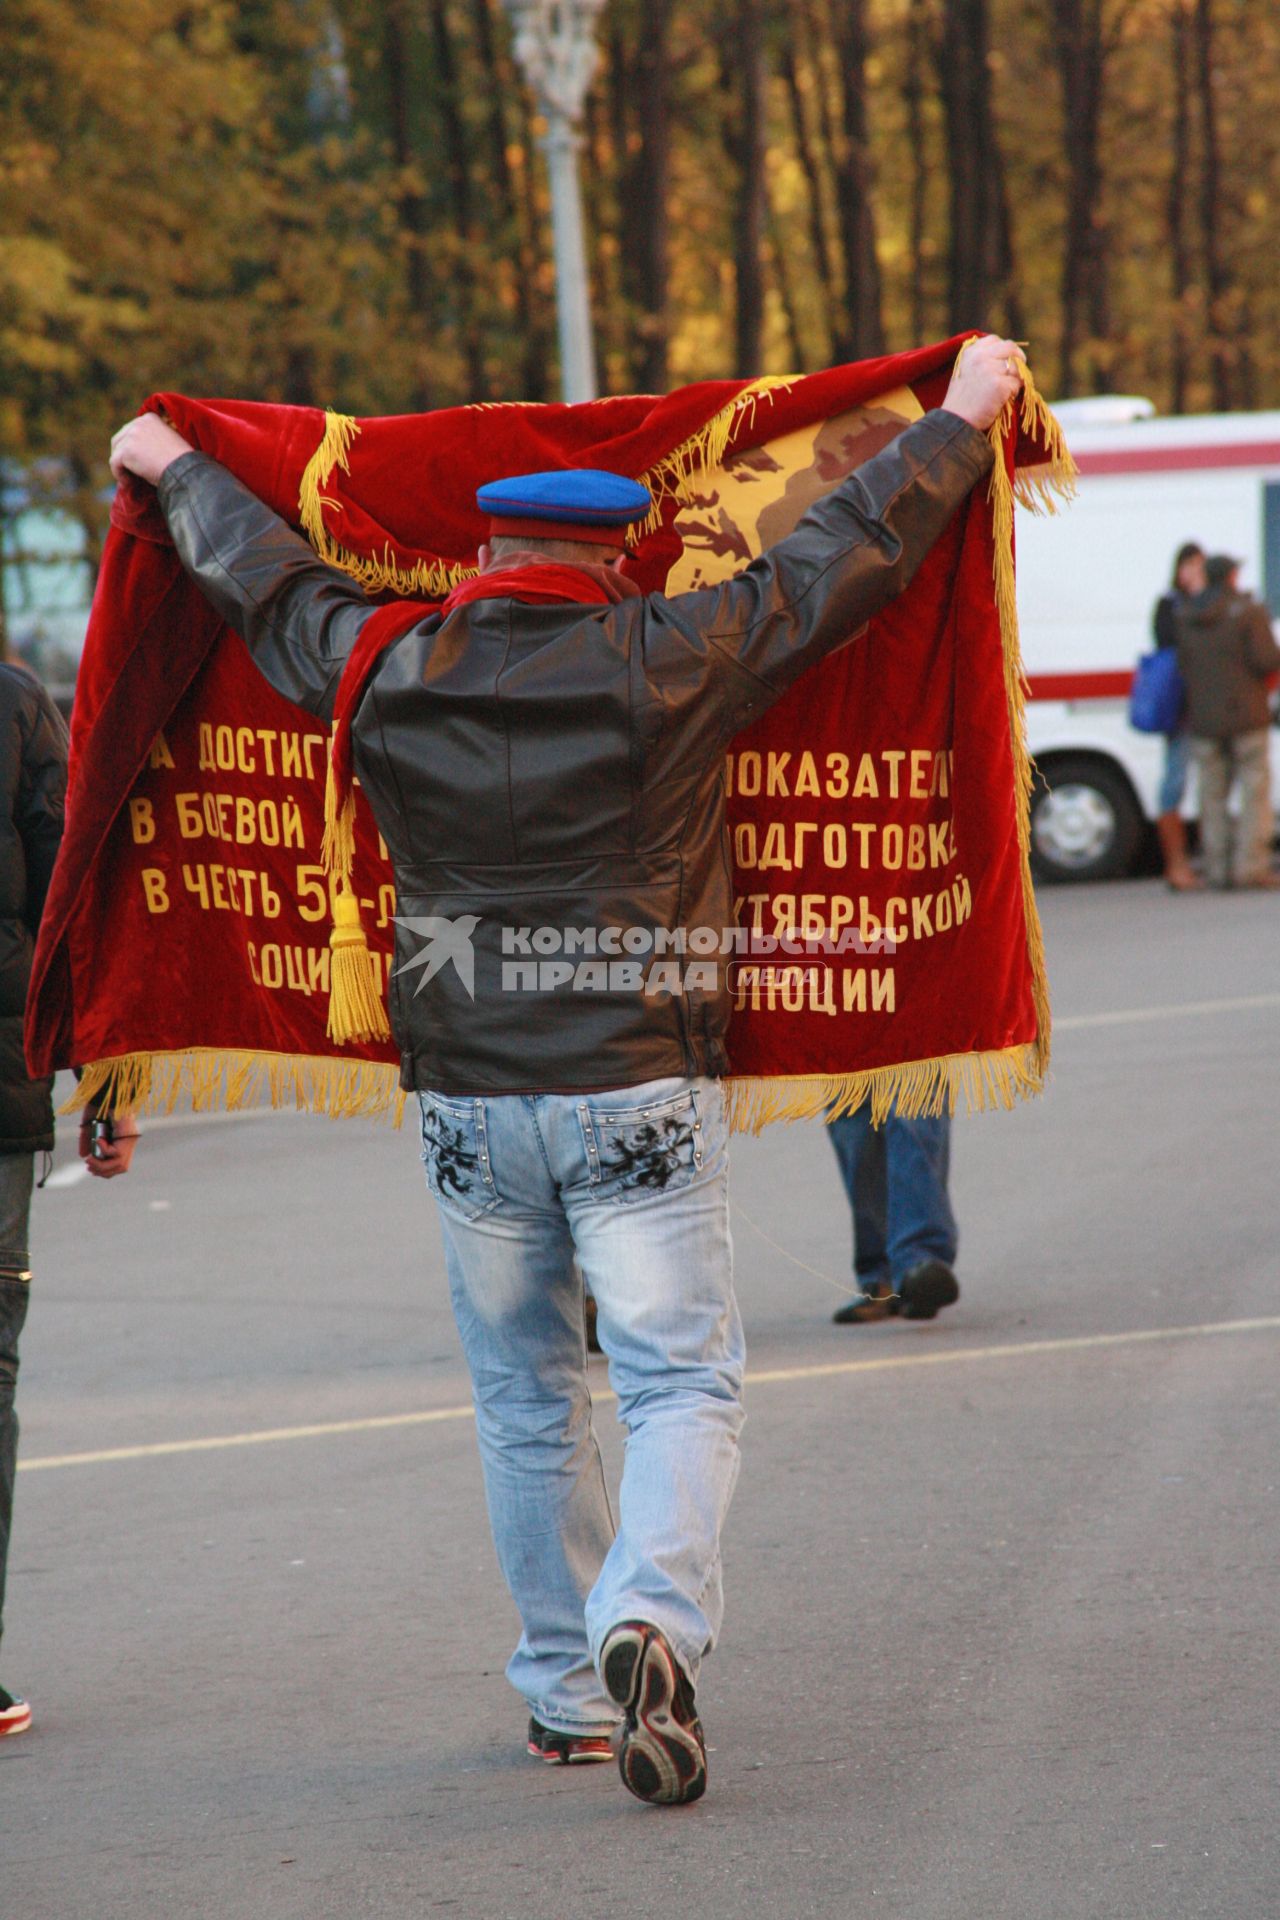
pixel 15 1714
pixel 877 1303
pixel 662 1756
pixel 926 1288
pixel 567 1749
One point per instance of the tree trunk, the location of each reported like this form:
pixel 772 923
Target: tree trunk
pixel 642 194
pixel 1176 207
pixel 786 288
pixel 531 319
pixel 743 85
pixel 813 183
pixel 1080 50
pixel 410 204
pixel 918 214
pixel 1212 213
pixel 980 254
pixel 854 185
pixel 458 171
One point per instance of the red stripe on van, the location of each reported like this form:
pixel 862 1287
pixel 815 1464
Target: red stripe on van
pixel 1253 453
pixel 1081 686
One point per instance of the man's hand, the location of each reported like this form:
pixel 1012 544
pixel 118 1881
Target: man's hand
pixel 986 376
pixel 106 1158
pixel 146 446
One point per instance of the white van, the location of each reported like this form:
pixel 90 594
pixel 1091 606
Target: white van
pixel 1088 581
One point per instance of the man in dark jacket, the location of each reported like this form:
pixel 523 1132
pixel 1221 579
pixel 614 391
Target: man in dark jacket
pixel 1226 653
pixel 544 763
pixel 33 766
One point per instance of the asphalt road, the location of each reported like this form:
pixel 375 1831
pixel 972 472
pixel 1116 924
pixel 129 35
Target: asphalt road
pixel 1001 1637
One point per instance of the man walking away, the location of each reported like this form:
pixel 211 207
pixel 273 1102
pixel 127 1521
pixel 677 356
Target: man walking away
pixel 548 749
pixel 1226 652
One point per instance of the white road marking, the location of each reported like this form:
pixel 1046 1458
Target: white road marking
pixel 952 1356
pixel 1175 1010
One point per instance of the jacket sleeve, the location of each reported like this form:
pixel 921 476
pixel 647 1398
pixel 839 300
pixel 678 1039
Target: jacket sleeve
pixel 1163 622
pixel 298 616
pixel 42 791
pixel 848 557
pixel 1261 651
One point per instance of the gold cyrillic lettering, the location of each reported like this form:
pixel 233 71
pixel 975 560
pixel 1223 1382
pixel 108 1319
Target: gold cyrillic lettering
pixel 142 821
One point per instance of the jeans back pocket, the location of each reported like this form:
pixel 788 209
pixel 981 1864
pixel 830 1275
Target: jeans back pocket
pixel 455 1152
pixel 642 1152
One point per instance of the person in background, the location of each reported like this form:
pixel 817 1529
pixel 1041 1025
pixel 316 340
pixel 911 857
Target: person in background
pixel 1188 581
pixel 904 1232
pixel 33 767
pixel 1226 653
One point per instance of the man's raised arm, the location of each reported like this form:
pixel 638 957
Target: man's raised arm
pixel 299 617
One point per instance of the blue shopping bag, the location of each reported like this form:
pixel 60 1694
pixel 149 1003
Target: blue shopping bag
pixel 1157 697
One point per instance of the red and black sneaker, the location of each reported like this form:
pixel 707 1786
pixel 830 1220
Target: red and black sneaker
pixel 15 1714
pixel 662 1756
pixel 567 1749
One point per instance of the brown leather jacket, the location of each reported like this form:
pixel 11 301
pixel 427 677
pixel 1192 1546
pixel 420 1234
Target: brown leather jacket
pixel 559 767
pixel 1226 650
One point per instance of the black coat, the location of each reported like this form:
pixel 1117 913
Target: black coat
pixel 561 767
pixel 33 762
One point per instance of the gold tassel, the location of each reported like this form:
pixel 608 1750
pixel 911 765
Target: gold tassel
pixel 356 1008
pixel 338 842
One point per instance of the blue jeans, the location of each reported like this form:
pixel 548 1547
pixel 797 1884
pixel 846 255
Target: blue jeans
pixel 635 1182
pixel 16 1178
pixel 1177 768
pixel 896 1180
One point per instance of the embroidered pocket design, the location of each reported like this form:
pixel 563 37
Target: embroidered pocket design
pixel 639 1153
pixel 456 1156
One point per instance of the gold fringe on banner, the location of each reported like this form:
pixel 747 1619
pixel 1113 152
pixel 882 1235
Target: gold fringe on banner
pixel 1053 481
pixel 676 475
pixel 982 1080
pixel 213 1078
pixel 376 573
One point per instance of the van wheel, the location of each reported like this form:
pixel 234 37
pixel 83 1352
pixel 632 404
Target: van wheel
pixel 1085 822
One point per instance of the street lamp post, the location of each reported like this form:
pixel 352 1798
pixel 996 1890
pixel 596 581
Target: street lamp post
pixel 555 46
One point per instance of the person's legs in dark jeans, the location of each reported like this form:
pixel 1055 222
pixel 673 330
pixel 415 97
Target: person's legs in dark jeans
pixel 16 1176
pixel 860 1154
pixel 905 1235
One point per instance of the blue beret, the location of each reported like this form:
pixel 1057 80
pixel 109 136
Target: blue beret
pixel 582 496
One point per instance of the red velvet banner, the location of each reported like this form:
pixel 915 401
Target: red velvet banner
pixel 889 943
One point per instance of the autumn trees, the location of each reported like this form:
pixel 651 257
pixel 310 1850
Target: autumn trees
pixel 343 200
